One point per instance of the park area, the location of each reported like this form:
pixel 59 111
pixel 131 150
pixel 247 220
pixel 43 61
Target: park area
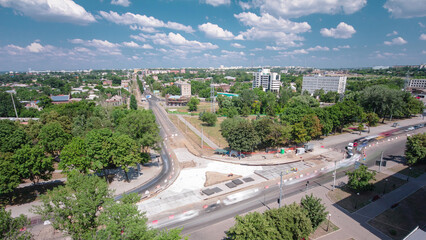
pixel 398 221
pixel 351 201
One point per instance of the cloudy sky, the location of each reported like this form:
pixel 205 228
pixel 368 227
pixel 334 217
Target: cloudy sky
pixel 105 34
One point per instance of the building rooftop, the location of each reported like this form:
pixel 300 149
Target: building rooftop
pixel 60 98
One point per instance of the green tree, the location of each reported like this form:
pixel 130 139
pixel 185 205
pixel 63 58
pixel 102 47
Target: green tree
pixel 312 125
pixel 123 221
pixel 44 102
pixel 243 137
pixel 359 179
pixel 415 149
pixel 53 138
pixel 13 228
pixel 193 104
pixel 74 156
pixel 142 127
pixel 33 164
pixel 6 105
pixel 12 137
pixel 75 207
pixel 9 175
pixel 372 120
pixel 227 126
pixel 314 209
pixel 299 133
pixel 291 221
pixel 125 152
pixel 232 112
pixel 209 118
pixel 99 146
pixel 253 225
pixel 133 103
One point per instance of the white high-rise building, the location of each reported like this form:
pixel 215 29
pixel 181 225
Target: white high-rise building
pixel 267 80
pixel 326 83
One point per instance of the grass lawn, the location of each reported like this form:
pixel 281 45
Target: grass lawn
pixel 213 133
pixel 322 230
pixel 350 201
pixel 414 171
pixel 401 220
pixel 203 106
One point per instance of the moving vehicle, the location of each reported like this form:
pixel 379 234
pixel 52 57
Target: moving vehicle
pixel 309 147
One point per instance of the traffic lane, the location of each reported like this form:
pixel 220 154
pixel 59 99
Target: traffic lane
pixel 271 195
pixel 266 196
pixel 153 184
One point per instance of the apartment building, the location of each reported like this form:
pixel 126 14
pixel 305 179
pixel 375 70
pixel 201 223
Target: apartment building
pixel 326 83
pixel 185 88
pixel 267 80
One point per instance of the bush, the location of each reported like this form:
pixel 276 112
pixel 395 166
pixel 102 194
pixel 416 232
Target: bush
pixel 209 118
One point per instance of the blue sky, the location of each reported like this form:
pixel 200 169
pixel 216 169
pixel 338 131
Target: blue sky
pixel 105 34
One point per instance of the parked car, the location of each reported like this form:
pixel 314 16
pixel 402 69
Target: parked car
pixel 395 124
pixel 409 129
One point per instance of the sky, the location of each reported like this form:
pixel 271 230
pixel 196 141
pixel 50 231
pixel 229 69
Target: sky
pixel 125 34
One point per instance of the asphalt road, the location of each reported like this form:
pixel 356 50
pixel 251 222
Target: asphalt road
pixel 393 151
pixel 166 129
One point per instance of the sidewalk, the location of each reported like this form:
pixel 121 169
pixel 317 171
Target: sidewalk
pixel 119 186
pixel 206 140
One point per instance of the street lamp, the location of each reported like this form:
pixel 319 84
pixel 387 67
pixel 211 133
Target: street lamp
pixel 328 225
pixel 356 200
pixel 384 189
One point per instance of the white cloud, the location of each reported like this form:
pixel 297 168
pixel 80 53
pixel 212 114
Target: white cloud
pixel 216 3
pixel 269 22
pixel 266 26
pixel 318 48
pixel 143 21
pixel 135 45
pixel 394 33
pixel 214 31
pixel 102 46
pixel 124 3
pixel 396 41
pixel 245 5
pixel 422 36
pixel 176 40
pixel 336 49
pixel 424 52
pixel 345 46
pixel 298 8
pixel 295 52
pixel 237 45
pixel 275 48
pixel 232 54
pixel 47 10
pixel 421 25
pixel 342 30
pixel 406 8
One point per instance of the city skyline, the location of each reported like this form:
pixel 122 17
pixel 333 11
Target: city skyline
pixel 101 34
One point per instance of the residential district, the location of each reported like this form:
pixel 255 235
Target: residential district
pixel 225 153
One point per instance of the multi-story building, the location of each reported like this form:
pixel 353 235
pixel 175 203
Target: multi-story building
pixel 185 88
pixel 267 80
pixel 326 83
pixel 418 83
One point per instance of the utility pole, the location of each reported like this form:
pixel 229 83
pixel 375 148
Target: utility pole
pixel 14 107
pixel 202 138
pixel 381 159
pixel 281 190
pixel 212 95
pixel 334 175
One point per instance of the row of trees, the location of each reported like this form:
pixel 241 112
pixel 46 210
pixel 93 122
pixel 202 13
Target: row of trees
pixel 301 119
pixel 85 209
pixel 294 221
pixel 85 137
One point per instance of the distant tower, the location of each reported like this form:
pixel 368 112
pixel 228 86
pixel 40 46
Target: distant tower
pixel 212 95
pixel 407 80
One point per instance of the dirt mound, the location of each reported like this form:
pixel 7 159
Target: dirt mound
pixel 213 178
